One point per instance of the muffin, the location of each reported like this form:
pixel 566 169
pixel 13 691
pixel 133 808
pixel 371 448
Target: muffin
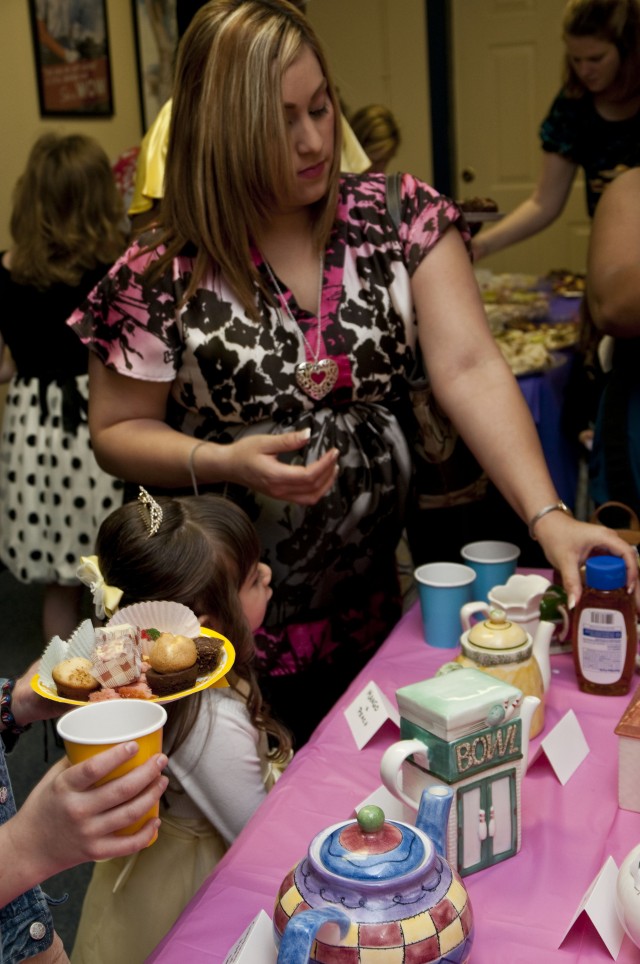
pixel 482 205
pixel 209 652
pixel 74 679
pixel 173 664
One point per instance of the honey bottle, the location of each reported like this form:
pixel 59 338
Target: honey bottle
pixel 605 638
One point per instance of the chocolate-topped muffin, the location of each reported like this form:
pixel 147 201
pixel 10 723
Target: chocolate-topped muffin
pixel 173 662
pixel 209 654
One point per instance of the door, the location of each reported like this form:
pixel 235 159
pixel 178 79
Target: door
pixel 487 821
pixel 377 50
pixel 507 69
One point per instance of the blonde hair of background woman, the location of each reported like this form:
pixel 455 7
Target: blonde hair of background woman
pixel 378 133
pixel 228 162
pixel 67 213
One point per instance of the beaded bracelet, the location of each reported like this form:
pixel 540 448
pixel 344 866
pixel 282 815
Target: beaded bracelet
pixel 6 716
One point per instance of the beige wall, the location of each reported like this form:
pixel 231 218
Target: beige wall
pixel 20 121
pixel 375 57
pixel 380 57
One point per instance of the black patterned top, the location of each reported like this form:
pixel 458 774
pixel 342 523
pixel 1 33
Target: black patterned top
pixel 604 148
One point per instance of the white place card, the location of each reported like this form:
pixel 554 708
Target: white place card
pixel 366 714
pixel 393 808
pixel 564 746
pixel 256 945
pixel 599 903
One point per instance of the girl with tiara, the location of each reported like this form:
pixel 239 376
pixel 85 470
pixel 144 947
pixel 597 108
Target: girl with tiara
pixel 224 749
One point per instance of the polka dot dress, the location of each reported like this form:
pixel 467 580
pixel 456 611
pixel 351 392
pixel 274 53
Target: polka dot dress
pixel 53 495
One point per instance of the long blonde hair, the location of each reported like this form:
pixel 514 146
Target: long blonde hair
pixel 614 21
pixel 67 213
pixel 228 160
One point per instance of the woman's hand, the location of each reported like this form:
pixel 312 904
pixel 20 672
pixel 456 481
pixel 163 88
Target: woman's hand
pixel 132 441
pixel 568 543
pixel 253 461
pixel 67 820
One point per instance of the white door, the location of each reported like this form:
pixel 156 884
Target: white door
pixel 377 50
pixel 507 70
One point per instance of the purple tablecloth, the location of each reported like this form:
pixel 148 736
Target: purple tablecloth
pixel 544 394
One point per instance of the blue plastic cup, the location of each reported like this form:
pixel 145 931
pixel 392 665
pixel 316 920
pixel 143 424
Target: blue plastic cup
pixel 492 562
pixel 444 587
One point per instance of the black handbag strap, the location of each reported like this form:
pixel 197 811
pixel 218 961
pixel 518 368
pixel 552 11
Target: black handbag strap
pixel 418 378
pixel 393 198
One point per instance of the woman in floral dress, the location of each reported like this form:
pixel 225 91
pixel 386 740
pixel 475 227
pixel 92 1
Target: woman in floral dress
pixel 259 342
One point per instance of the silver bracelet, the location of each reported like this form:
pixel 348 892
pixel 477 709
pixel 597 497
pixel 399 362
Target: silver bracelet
pixel 555 506
pixel 191 465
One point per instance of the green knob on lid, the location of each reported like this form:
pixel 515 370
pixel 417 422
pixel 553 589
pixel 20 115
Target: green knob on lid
pixel 370 818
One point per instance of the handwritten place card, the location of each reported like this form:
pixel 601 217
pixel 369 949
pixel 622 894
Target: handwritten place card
pixel 368 712
pixel 599 903
pixel 393 808
pixel 256 945
pixel 564 746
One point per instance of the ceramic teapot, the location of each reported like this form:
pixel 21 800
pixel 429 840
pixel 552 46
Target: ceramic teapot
pixel 504 649
pixel 628 895
pixel 370 885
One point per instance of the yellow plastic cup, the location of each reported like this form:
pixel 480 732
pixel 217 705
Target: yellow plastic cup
pixel 90 729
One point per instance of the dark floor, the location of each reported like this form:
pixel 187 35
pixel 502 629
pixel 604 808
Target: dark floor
pixel 20 643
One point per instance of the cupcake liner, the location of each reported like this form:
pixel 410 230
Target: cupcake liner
pixel 167 617
pixel 81 643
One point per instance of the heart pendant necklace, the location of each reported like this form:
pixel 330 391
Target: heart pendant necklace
pixel 316 378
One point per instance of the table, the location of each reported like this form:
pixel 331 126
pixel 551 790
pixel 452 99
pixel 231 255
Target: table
pixel 522 906
pixel 544 394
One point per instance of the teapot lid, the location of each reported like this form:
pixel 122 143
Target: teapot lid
pixel 373 849
pixel 497 632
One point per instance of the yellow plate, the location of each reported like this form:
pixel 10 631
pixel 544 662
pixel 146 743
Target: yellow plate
pixel 215 678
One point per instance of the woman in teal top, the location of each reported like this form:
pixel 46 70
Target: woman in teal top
pixel 594 123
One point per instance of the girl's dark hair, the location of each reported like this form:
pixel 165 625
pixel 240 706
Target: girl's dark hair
pixel 614 21
pixel 200 556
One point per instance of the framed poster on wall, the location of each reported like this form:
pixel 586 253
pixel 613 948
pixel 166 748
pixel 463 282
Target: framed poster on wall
pixel 71 51
pixel 156 33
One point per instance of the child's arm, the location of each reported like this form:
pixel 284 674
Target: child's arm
pixel 219 766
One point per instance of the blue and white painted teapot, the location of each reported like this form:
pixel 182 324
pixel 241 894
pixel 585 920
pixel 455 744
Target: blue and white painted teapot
pixel 371 884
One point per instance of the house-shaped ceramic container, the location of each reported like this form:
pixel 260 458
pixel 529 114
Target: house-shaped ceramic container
pixel 628 733
pixel 473 737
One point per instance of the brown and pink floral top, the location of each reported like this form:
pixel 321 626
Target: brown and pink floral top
pixel 230 375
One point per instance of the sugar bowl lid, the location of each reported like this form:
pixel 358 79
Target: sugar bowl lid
pixel 497 632
pixel 371 849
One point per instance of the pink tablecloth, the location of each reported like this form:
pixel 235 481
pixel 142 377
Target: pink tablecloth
pixel 522 906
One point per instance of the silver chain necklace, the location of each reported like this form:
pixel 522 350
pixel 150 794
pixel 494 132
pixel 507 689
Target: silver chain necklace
pixel 316 378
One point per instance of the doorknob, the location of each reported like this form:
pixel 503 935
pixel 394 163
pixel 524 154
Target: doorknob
pixel 468 175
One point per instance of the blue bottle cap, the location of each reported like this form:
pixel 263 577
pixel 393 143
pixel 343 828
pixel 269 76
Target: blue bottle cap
pixel 606 572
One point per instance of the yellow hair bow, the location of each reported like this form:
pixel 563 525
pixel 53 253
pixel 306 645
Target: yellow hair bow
pixel 105 598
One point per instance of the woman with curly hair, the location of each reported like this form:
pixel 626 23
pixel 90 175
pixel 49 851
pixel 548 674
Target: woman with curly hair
pixel 66 229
